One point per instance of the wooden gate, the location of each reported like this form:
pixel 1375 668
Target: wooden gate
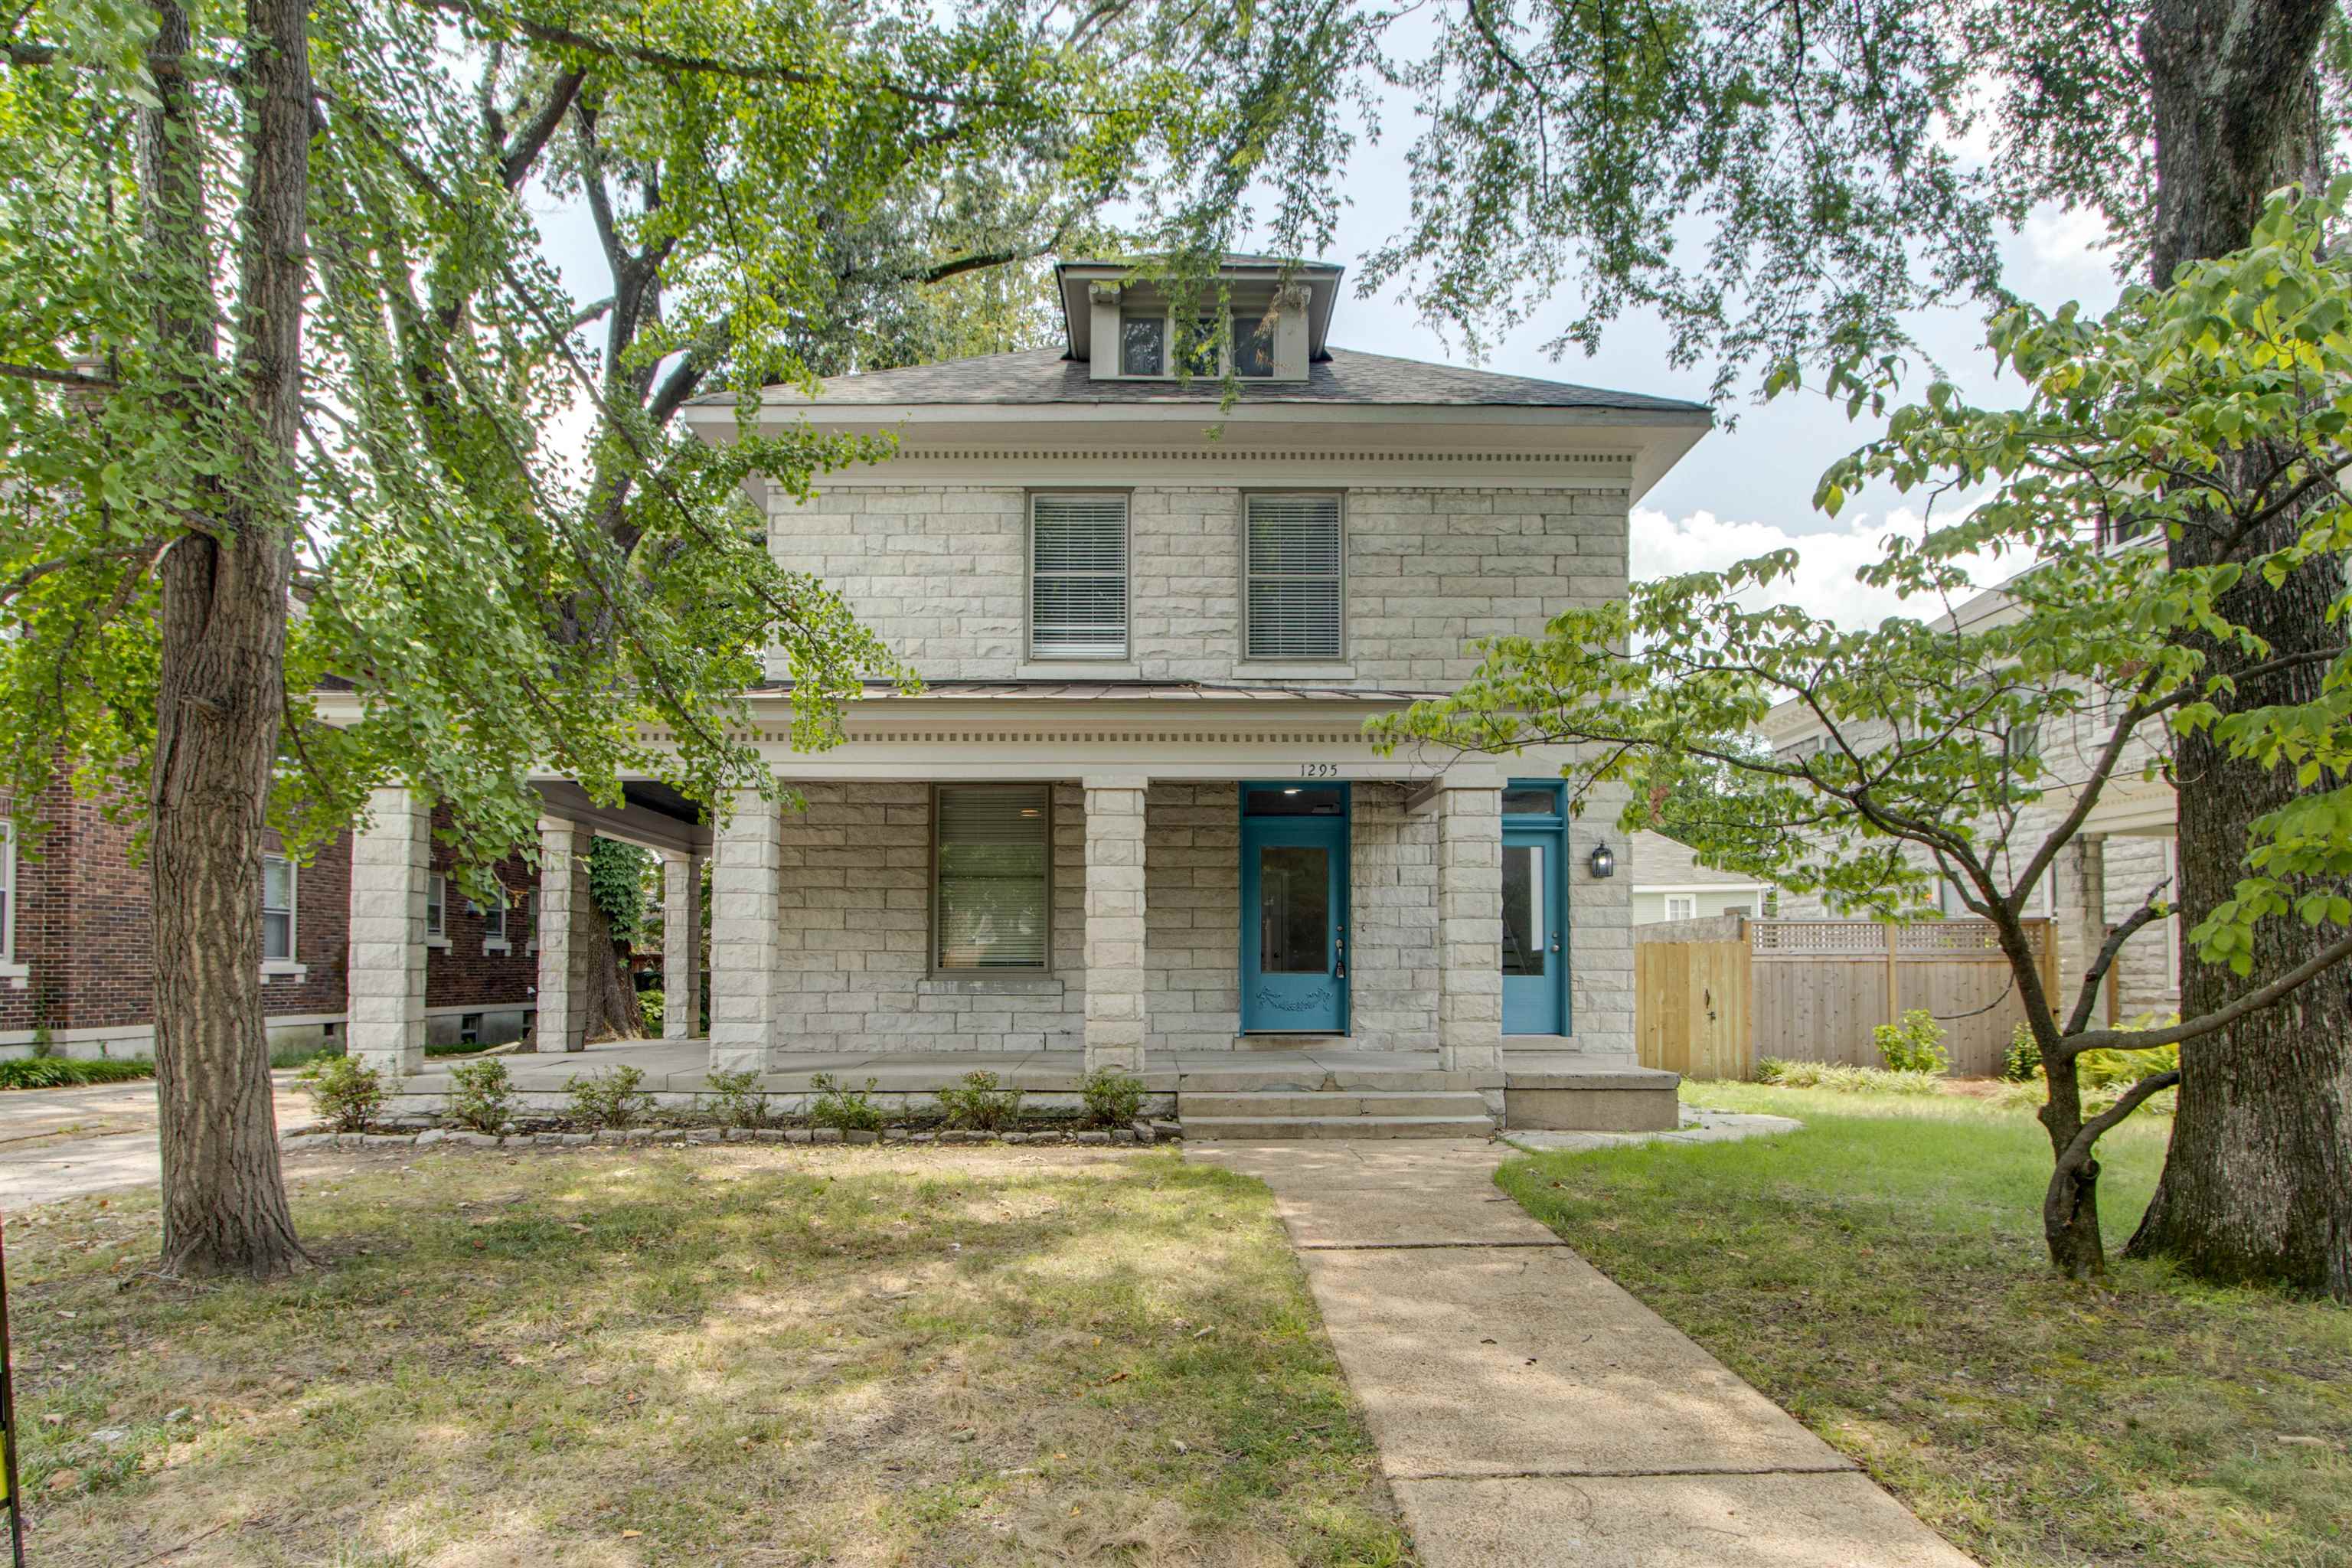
pixel 1815 990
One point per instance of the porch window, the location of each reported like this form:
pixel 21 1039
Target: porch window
pixel 1077 584
pixel 1294 554
pixel 276 910
pixel 991 877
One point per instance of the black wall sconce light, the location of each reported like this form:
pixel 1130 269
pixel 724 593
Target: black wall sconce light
pixel 1604 860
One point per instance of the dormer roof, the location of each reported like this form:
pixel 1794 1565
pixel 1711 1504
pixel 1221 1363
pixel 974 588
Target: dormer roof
pixel 1320 279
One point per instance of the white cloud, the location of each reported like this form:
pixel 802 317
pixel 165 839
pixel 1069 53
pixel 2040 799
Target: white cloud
pixel 1823 584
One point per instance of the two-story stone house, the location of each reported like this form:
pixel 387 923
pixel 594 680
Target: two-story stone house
pixel 1132 814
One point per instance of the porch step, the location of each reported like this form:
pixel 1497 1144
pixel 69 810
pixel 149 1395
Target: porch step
pixel 1330 1102
pixel 1290 1113
pixel 1292 1129
pixel 1288 1042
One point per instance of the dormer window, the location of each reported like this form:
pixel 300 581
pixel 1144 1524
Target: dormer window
pixel 1252 346
pixel 1142 344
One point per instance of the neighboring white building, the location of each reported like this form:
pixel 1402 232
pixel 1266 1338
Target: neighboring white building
pixel 1669 884
pixel 1133 807
pixel 2124 850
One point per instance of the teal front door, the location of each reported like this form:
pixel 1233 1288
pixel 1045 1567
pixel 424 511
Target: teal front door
pixel 1534 962
pixel 1294 957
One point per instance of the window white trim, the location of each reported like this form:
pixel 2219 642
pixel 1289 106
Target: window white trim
pixel 16 974
pixel 436 910
pixel 287 965
pixel 1102 631
pixel 1682 906
pixel 1293 577
pixel 494 936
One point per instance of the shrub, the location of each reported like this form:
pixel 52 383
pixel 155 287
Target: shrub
pixel 613 1098
pixel 1113 1098
pixel 736 1097
pixel 483 1098
pixel 1914 1044
pixel 981 1104
pixel 67 1072
pixel 2022 1063
pixel 850 1109
pixel 649 1013
pixel 347 1093
pixel 1836 1076
pixel 2108 1070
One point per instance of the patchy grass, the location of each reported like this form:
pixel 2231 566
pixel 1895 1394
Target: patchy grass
pixel 1881 1275
pixel 732 1354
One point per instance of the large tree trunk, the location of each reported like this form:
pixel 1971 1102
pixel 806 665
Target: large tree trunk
pixel 222 624
pixel 2258 1184
pixel 613 1012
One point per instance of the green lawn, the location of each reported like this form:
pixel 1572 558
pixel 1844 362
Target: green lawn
pixel 1881 1276
pixel 738 1355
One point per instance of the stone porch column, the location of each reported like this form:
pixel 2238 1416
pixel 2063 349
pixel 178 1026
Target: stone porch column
pixel 681 946
pixel 390 859
pixel 1115 1007
pixel 1470 925
pixel 562 945
pixel 744 887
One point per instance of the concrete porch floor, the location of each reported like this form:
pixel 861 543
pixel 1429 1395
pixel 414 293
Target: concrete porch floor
pixel 682 1067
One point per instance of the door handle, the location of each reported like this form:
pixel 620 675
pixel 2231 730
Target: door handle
pixel 1555 943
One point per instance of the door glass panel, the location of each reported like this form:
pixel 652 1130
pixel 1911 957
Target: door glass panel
pixel 1523 923
pixel 1294 909
pixel 1537 800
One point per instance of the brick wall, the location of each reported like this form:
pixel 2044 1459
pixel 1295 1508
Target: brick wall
pixel 461 972
pixel 84 935
pixel 938 570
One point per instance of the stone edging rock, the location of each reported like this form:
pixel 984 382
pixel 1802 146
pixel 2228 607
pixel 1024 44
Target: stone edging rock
pixel 1142 1132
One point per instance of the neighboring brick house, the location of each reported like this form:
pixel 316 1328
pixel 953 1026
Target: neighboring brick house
pixel 76 942
pixel 1134 807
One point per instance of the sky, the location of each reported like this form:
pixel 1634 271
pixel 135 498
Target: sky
pixel 1744 490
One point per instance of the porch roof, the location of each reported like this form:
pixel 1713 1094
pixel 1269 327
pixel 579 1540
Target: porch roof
pixel 1127 691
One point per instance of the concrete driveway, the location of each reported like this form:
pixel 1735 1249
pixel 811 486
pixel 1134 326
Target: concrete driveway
pixel 65 1142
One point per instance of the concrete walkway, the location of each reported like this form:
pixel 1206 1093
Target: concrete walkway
pixel 1530 1412
pixel 69 1143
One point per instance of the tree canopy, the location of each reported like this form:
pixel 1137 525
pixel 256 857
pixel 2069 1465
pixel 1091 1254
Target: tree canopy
pixel 1973 746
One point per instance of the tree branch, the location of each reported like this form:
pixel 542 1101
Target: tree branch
pixel 60 377
pixel 2078 1147
pixel 514 165
pixel 2138 921
pixel 2253 1002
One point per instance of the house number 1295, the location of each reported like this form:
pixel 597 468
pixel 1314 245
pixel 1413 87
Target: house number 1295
pixel 1319 770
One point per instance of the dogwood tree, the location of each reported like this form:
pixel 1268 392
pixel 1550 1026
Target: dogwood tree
pixel 1974 749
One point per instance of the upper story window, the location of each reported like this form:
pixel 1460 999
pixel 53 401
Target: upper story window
pixel 1252 346
pixel 1295 597
pixel 276 910
pixel 1142 344
pixel 992 877
pixel 1078 575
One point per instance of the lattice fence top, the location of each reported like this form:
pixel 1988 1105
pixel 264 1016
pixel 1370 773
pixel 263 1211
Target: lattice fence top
pixel 1965 940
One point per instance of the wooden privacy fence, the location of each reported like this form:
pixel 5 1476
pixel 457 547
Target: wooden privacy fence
pixel 1712 997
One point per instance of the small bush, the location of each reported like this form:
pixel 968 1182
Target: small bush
pixel 1835 1076
pixel 649 1013
pixel 981 1104
pixel 613 1098
pixel 2022 1063
pixel 69 1072
pixel 349 1094
pixel 483 1098
pixel 850 1109
pixel 1113 1098
pixel 737 1098
pixel 1914 1044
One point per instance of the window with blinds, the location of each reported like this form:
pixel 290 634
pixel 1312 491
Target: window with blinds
pixel 1293 549
pixel 991 876
pixel 276 910
pixel 1077 576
